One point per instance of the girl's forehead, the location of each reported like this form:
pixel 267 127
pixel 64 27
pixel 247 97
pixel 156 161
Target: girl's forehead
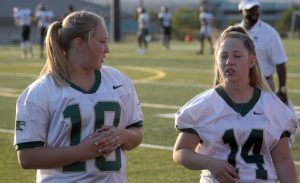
pixel 232 43
pixel 101 30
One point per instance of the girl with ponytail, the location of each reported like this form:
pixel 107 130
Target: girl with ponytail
pixel 75 122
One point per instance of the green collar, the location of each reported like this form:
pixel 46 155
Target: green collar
pixel 95 86
pixel 242 108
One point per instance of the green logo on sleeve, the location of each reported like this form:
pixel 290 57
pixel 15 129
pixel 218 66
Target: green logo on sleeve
pixel 20 125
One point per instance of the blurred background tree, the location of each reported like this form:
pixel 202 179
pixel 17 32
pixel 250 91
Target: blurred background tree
pixel 283 25
pixel 185 21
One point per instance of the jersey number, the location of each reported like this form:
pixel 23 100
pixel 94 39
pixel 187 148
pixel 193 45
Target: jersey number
pixel 253 143
pixel 73 112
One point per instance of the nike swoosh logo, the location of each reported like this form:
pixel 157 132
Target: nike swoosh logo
pixel 257 113
pixel 116 86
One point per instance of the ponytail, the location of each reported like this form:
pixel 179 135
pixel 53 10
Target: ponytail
pixel 56 63
pixel 58 42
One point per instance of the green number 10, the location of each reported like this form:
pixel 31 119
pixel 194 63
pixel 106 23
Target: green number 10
pixel 73 112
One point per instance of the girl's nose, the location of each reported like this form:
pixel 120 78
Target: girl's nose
pixel 107 49
pixel 229 60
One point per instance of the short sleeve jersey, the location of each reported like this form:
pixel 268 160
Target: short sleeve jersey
pixel 143 21
pixel 58 116
pixel 205 19
pixel 245 142
pixel 22 17
pixel 166 18
pixel 268 45
pixel 44 17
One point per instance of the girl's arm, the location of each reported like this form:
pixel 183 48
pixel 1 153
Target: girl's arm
pixel 126 138
pixel 54 157
pixel 131 138
pixel 283 162
pixel 184 153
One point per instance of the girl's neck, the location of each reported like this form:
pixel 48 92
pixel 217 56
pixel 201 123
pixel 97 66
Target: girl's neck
pixel 239 93
pixel 83 79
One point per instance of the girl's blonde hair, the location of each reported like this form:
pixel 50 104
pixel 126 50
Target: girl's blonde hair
pixel 257 80
pixel 58 40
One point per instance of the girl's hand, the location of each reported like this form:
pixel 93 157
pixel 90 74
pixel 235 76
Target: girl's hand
pixel 223 171
pixel 106 139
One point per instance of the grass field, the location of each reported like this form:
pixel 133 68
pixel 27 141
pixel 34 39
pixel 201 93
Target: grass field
pixel 164 80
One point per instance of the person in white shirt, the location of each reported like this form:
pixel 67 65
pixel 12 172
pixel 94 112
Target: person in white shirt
pixel 143 30
pixel 165 18
pixel 22 18
pixel 78 119
pixel 70 9
pixel 237 131
pixel 268 44
pixel 206 20
pixel 44 18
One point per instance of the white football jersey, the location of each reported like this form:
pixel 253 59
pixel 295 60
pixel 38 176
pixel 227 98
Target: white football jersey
pixel 44 17
pixel 205 19
pixel 143 21
pixel 246 141
pixel 58 116
pixel 22 17
pixel 166 18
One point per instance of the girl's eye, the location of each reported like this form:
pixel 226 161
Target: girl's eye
pixel 223 56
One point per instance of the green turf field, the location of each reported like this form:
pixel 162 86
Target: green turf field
pixel 164 80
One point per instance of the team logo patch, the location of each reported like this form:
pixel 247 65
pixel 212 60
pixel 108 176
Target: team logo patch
pixel 20 125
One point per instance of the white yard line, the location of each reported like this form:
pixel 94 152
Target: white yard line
pixel 9 92
pixel 160 106
pixel 31 64
pixel 9 95
pixel 7 131
pixel 14 90
pixel 10 74
pixel 189 84
pixel 189 70
pixel 150 146
pixel 175 84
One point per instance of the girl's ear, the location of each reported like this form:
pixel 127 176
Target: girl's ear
pixel 252 59
pixel 77 43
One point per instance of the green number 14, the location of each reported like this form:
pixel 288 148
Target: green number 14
pixel 254 144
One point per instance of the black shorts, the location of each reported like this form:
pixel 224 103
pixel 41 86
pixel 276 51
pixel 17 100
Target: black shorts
pixel 25 32
pixel 167 31
pixel 43 32
pixel 142 32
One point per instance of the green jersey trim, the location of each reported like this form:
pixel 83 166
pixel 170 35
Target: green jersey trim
pixel 246 106
pixel 191 131
pixel 95 86
pixel 138 124
pixel 26 145
pixel 285 134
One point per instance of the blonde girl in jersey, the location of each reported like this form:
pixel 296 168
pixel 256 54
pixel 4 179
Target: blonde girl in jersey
pixel 238 130
pixel 76 121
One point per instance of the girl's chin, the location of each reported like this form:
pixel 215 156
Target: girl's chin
pixel 101 61
pixel 99 66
